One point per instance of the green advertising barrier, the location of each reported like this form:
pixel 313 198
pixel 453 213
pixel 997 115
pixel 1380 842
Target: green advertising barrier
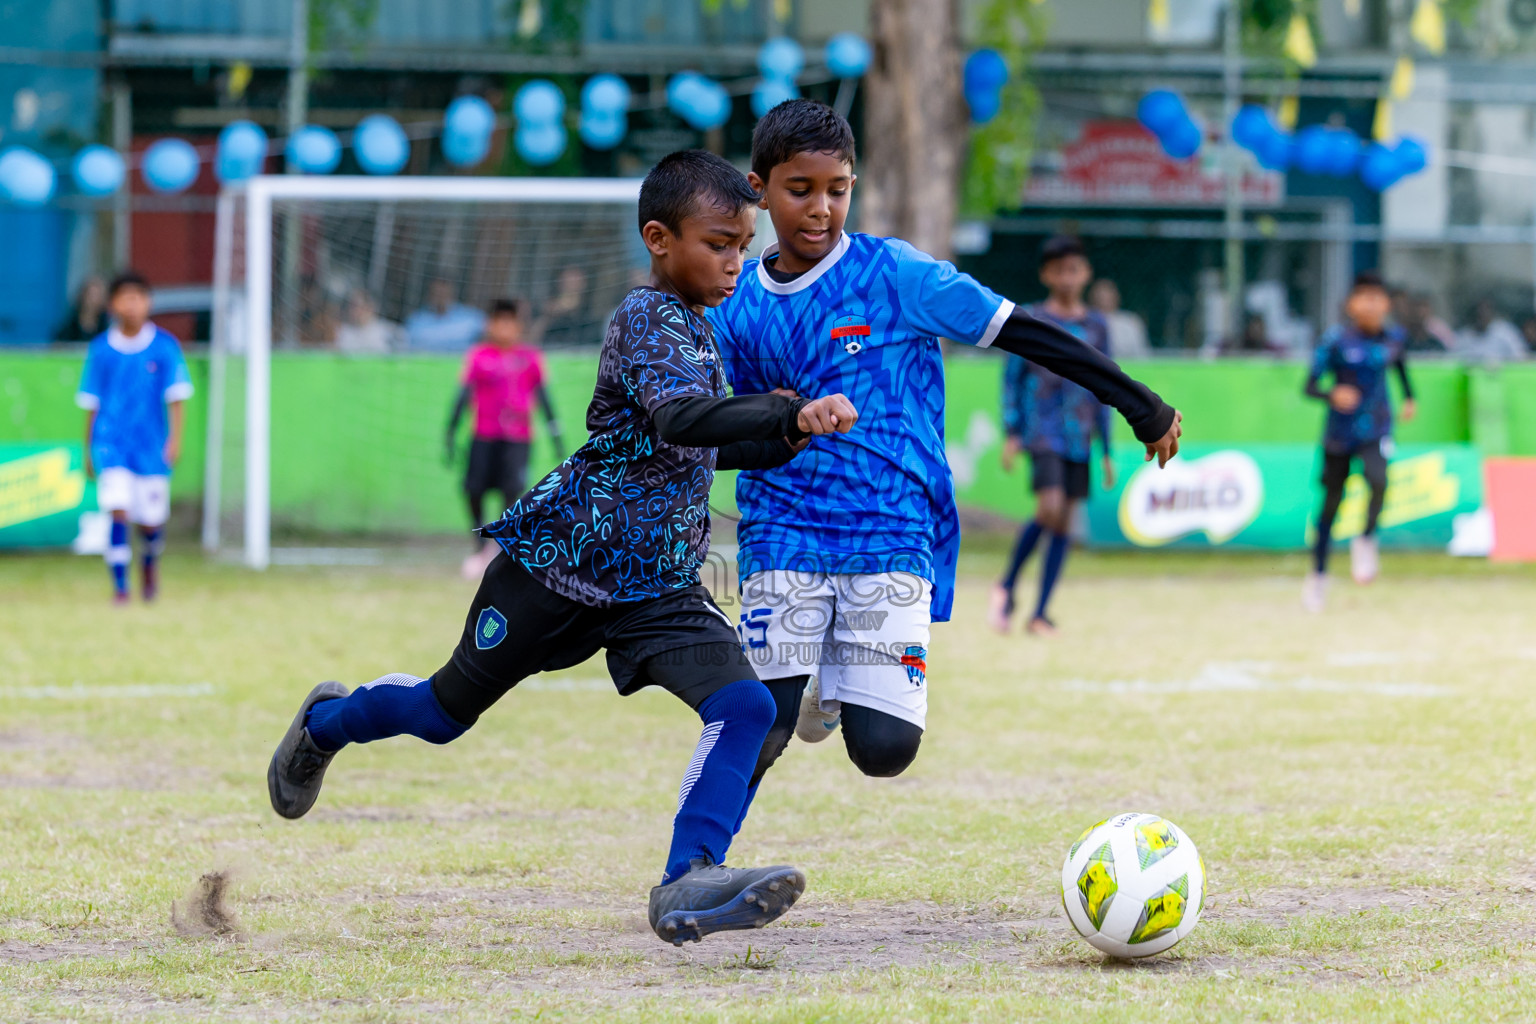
pixel 1267 496
pixel 43 490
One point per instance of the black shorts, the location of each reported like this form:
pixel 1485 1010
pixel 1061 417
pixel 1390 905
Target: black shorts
pixel 497 466
pixel 1051 470
pixel 517 627
pixel 1338 461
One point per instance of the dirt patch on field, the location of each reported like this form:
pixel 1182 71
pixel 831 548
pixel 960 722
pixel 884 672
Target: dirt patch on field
pixel 1281 906
pixel 205 910
pixel 16 952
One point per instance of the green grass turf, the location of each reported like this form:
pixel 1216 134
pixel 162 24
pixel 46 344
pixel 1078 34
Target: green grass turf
pixel 1360 785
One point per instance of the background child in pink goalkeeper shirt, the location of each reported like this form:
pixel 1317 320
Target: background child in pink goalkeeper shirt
pixel 502 378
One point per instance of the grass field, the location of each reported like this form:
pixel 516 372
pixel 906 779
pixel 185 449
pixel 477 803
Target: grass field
pixel 1360 785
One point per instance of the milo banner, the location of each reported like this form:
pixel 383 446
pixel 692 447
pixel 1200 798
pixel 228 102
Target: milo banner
pixel 1267 496
pixel 42 493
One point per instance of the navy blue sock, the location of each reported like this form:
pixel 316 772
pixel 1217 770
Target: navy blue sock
pixel 716 788
pixel 119 554
pixel 390 706
pixel 1055 555
pixel 154 544
pixel 1029 536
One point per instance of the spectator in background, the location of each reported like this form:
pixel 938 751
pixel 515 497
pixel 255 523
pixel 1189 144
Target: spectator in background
pixel 445 325
pixel 1127 331
pixel 1424 331
pixel 1254 340
pixel 1528 331
pixel 88 316
pixel 1491 338
pixel 568 318
pixel 363 330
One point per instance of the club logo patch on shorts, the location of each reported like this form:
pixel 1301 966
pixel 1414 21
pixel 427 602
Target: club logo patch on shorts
pixel 491 629
pixel 849 329
pixel 917 664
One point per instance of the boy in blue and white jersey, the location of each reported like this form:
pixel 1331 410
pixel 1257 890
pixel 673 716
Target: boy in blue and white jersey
pixel 848 553
pixel 132 390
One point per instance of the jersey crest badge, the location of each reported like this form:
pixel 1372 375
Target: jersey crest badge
pixel 491 629
pixel 849 329
pixel 917 664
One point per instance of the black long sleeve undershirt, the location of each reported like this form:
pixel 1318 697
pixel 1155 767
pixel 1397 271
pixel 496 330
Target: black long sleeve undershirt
pixel 751 431
pixel 1062 353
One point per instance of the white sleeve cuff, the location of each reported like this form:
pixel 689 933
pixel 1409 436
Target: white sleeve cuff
pixel 88 401
pixel 178 392
pixel 1004 311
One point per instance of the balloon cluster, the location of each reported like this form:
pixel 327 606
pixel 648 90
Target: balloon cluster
pixel 779 61
pixel 467 127
pixel 604 111
pixel 848 55
pixel 702 102
pixel 986 72
pixel 539 107
pixel 1164 114
pixel 1326 151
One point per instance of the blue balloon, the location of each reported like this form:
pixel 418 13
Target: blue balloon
pixel 1412 155
pixel 26 178
pixel 1274 151
pixel 780 58
pixel 1251 127
pixel 540 144
pixel 539 102
pixel 985 71
pixel 381 145
pixel 170 165
pixel 242 151
pixel 463 150
pixel 1161 111
pixel 707 107
pixel 98 171
pixel 1343 152
pixel 1313 149
pixel 605 94
pixel 314 150
pixel 848 55
pixel 1183 140
pixel 603 129
pixel 469 115
pixel 770 92
pixel 684 90
pixel 1380 169
pixel 984 104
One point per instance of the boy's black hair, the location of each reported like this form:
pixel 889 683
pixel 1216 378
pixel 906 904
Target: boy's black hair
pixel 127 279
pixel 1369 279
pixel 504 307
pixel 1059 247
pixel 799 126
pixel 688 181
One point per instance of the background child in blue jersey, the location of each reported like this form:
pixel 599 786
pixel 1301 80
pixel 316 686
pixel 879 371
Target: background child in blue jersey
pixel 1356 357
pixel 132 390
pixel 848 553
pixel 1055 421
pixel 604 553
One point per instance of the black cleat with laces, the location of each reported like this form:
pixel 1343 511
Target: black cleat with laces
pixel 714 898
pixel 298 766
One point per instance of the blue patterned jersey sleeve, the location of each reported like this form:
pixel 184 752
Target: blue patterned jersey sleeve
pixel 738 369
pixel 1015 380
pixel 664 351
pixel 89 395
pixel 179 388
pixel 1322 363
pixel 939 300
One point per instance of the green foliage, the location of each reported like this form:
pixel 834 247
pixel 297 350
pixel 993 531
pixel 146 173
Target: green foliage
pixel 1000 150
pixel 558 29
pixel 335 23
pixel 1265 23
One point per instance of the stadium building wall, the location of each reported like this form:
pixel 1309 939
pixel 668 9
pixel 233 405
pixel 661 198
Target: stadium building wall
pixel 341 426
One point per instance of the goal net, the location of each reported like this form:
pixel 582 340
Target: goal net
pixel 341 309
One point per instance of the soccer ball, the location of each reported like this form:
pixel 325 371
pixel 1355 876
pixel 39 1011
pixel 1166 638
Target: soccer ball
pixel 1133 885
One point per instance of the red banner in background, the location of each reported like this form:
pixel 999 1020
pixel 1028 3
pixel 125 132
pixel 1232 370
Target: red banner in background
pixel 1120 163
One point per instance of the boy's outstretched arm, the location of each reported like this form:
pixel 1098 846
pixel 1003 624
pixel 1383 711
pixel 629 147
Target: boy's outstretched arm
pixel 459 405
pixel 700 421
pixel 1155 423
pixel 548 408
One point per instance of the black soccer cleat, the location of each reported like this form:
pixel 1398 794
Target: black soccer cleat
pixel 714 898
pixel 298 766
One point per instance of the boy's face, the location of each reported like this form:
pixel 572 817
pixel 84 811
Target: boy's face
pixel 701 261
pixel 1367 308
pixel 130 307
pixel 1066 276
pixel 504 330
pixel 807 196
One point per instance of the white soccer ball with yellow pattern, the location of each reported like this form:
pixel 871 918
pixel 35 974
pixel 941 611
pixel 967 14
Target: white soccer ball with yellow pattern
pixel 1133 885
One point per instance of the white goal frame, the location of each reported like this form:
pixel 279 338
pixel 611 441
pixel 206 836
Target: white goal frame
pixel 251 304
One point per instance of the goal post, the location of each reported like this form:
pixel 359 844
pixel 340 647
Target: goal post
pixel 289 252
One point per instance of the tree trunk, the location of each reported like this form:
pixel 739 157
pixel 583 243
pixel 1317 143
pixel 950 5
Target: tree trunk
pixel 914 123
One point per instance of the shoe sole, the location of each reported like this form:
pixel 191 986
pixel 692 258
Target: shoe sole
pixel 811 726
pixel 325 691
pixel 756 906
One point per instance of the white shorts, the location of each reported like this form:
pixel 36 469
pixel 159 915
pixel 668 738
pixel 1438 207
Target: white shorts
pixel 863 636
pixel 146 499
